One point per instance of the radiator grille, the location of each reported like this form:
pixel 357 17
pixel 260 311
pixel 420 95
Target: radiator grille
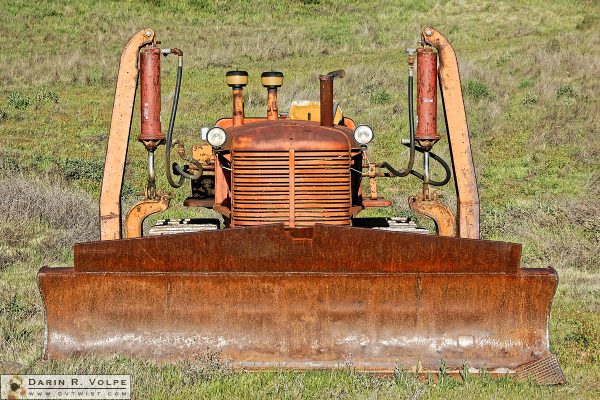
pixel 268 188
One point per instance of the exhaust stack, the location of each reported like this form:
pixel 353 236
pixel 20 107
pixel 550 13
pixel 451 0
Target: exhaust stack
pixel 326 95
pixel 236 80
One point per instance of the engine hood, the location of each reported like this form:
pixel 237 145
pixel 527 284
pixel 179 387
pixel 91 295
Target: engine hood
pixel 277 135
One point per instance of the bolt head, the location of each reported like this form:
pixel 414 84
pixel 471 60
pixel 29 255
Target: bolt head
pixel 148 33
pixel 428 32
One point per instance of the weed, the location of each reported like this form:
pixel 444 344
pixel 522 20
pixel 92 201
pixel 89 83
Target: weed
pixel 588 21
pixel 381 38
pixel 443 372
pixel 204 367
pixel 477 90
pixel 503 59
pixel 46 95
pixel 18 101
pixel 7 259
pixel 77 168
pixel 464 372
pixel 3 115
pixel 553 45
pixel 566 91
pixel 200 4
pixel 70 213
pixel 380 96
pixel 527 83
pixel 578 334
pixel 529 99
pixel 377 94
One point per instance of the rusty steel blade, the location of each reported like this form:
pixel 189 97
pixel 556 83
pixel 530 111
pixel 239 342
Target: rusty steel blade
pixel 302 298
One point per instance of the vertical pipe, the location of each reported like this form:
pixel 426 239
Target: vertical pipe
pixel 238 107
pixel 427 95
pixel 272 80
pixel 272 109
pixel 236 80
pixel 150 130
pixel 426 167
pixel 326 94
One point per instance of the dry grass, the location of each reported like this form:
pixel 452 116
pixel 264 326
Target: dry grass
pixel 70 215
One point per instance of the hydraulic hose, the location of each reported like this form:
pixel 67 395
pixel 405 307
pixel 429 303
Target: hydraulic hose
pixel 168 167
pixel 440 160
pixel 183 173
pixel 411 127
pixel 432 182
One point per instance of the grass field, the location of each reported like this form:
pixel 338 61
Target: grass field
pixel 531 76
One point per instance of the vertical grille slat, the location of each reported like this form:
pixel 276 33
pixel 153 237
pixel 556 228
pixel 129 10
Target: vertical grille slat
pixel 261 188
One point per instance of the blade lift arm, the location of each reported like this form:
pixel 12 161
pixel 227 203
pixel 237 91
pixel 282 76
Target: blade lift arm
pixel 458 135
pixel 118 139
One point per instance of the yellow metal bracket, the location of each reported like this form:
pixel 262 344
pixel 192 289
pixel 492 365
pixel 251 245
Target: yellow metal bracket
pixel 140 211
pixel 120 126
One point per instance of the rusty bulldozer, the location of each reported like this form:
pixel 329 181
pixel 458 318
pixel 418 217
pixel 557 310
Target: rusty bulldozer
pixel 290 276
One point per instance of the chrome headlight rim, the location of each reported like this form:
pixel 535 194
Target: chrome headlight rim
pixel 216 136
pixel 363 134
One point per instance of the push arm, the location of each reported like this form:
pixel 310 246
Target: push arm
pixel 118 139
pixel 458 135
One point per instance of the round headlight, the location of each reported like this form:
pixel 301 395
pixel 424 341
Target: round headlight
pixel 363 134
pixel 216 136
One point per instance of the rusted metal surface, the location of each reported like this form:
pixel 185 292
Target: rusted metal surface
pixel 326 99
pixel 237 80
pixel 140 211
pixel 228 122
pixel 442 216
pixel 458 135
pixel 150 130
pixel 238 107
pixel 275 136
pixel 378 202
pixel 426 95
pixel 545 370
pixel 372 183
pixel 118 139
pixel 291 188
pixel 293 172
pixel 272 108
pixel 302 298
pixel 273 248
pixel 304 187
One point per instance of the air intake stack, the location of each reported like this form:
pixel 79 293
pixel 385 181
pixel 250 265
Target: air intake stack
pixel 272 80
pixel 236 80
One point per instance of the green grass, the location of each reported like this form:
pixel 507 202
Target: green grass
pixel 530 73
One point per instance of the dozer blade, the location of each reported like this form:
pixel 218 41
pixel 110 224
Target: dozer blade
pixel 305 298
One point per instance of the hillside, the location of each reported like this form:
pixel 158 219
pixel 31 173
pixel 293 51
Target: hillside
pixel 531 78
